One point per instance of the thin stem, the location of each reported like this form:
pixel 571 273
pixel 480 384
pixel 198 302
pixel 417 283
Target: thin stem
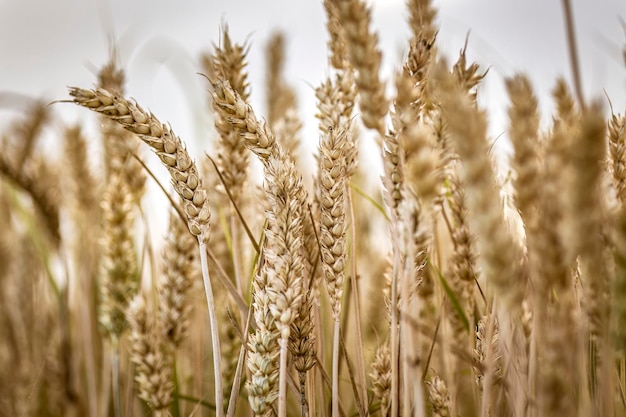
pixel 488 376
pixel 395 383
pixel 234 238
pixel 405 334
pixel 573 51
pixel 357 308
pixel 304 404
pixel 225 280
pixel 215 338
pixel 90 366
pixel 282 380
pixel 117 402
pixel 310 382
pixel 257 248
pixel 234 393
pixel 344 350
pixel 335 382
pixel 175 402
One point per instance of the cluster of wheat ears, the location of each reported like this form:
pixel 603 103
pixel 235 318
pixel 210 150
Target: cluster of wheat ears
pixel 442 290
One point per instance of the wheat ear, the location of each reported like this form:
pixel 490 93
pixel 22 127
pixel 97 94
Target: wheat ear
pixel 365 58
pixel 228 61
pixel 337 43
pixel 150 355
pixel 179 274
pixel 280 97
pixel 259 139
pixel 120 144
pixel 283 257
pixel 500 255
pixel 333 166
pixel 523 128
pixel 439 397
pixel 617 148
pixel 185 179
pixel 264 350
pixel 119 275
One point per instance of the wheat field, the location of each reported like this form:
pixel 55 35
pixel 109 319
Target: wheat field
pixel 455 283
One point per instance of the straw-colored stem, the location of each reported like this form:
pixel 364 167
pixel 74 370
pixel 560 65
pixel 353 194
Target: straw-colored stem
pixel 234 394
pixel 237 261
pixel 488 380
pixel 215 338
pixel 282 379
pixel 395 345
pixel 405 334
pixel 115 369
pixel 90 366
pixel 362 382
pixel 335 371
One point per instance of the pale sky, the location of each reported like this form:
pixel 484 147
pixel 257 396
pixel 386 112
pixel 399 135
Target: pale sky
pixel 49 44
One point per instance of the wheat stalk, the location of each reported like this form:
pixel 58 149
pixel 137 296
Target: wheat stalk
pixel 185 179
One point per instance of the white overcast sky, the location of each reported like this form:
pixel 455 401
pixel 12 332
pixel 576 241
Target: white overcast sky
pixel 47 45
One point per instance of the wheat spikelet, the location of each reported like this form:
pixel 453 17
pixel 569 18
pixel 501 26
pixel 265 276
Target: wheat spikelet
pixel 332 220
pixel 149 355
pixel 584 233
pixel 37 180
pixel 566 111
pixel 302 340
pixel 119 145
pixel 617 148
pixel 422 49
pixel 422 16
pixel 463 270
pixel 523 128
pixel 393 149
pixel 287 129
pixel 500 255
pixel 283 254
pixel 439 397
pixel 84 185
pixel 165 143
pixel 28 130
pixel 416 139
pixel 228 62
pixel 487 354
pixel 381 377
pixel 554 321
pixel 119 274
pixel 335 101
pixel 262 386
pixel 279 97
pixel 365 58
pixel 336 44
pixel 111 77
pixel 259 139
pixel 179 274
pixel 255 135
pixel 467 76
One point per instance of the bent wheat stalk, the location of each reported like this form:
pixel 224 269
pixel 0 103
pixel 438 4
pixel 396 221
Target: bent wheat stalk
pixel 185 179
